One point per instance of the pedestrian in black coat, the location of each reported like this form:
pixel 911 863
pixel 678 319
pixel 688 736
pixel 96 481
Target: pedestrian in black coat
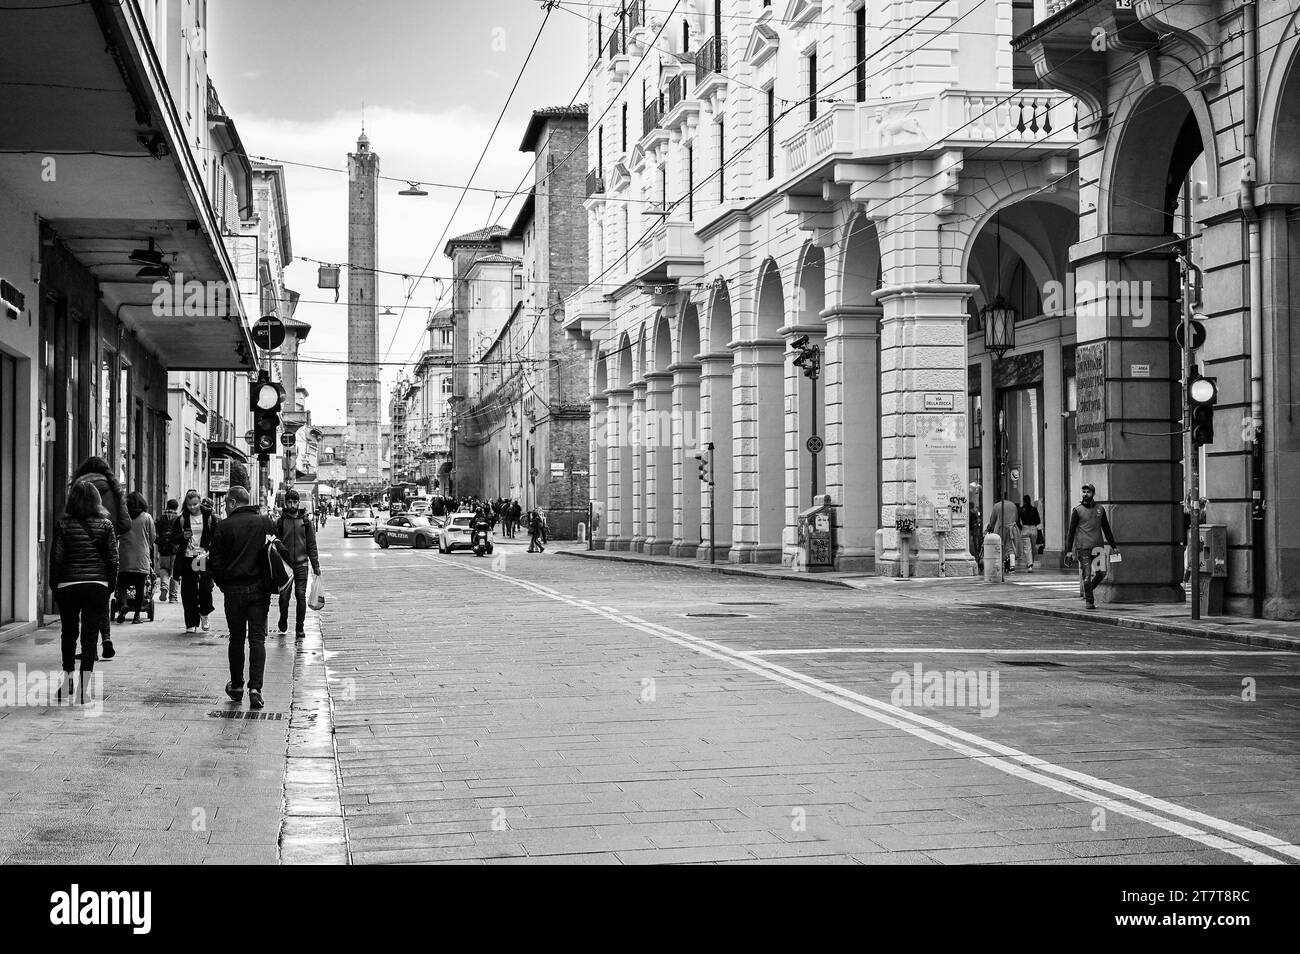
pixel 82 573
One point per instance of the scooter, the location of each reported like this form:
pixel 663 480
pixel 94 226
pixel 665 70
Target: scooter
pixel 481 542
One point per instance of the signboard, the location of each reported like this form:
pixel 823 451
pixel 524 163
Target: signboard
pixel 218 476
pixel 941 465
pixel 1139 370
pixel 940 402
pixel 815 444
pixel 268 333
pixel 1090 379
pixel 557 468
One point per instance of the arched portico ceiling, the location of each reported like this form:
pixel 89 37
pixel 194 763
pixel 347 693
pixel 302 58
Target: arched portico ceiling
pixel 1036 227
pixel 859 263
pixel 688 333
pixel 770 295
pixel 624 358
pixel 1158 133
pixel 1279 109
pixel 662 342
pixel 721 329
pixel 810 285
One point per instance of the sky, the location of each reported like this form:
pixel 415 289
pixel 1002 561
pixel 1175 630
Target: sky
pixel 433 75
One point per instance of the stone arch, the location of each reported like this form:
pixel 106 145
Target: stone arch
pixel 858 264
pixel 687 435
pixel 770 295
pixel 1036 236
pixel 721 327
pixel 1158 132
pixel 810 285
pixel 1279 109
pixel 688 331
pixel 1019 234
pixel 662 341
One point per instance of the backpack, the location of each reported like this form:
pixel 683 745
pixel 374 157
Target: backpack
pixel 166 527
pixel 279 574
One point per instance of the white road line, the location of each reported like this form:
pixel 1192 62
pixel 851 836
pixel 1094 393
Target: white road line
pixel 930 650
pixel 1005 758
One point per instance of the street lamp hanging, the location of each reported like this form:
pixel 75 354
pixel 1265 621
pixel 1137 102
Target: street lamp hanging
pixel 998 316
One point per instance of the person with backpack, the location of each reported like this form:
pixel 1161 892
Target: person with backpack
pixel 192 538
pixel 169 584
pixel 135 559
pixel 1089 531
pixel 82 573
pixel 95 471
pixel 535 532
pixel 296 532
pixel 240 565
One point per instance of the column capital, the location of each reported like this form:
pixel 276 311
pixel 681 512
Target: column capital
pixel 651 376
pixel 850 312
pixel 707 357
pixel 925 301
pixel 756 344
pixel 678 366
pixel 791 331
pixel 616 394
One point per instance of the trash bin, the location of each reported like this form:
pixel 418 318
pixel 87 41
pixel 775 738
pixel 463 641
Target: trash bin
pixel 817 535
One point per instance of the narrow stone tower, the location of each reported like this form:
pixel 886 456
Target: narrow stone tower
pixel 363 347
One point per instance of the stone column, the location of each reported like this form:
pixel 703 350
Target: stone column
pixel 686 444
pixel 619 470
pixel 716 404
pixel 1053 506
pixel 659 459
pixel 598 468
pixel 637 440
pixel 851 371
pixel 758 431
pixel 1130 408
pixel 923 354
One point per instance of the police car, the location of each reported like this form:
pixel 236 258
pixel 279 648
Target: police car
pixel 407 531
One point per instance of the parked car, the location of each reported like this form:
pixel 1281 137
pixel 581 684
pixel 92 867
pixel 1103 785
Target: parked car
pixel 406 531
pixel 454 534
pixel 360 522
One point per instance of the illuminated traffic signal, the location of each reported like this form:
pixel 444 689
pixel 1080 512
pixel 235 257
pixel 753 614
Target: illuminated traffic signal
pixel 704 467
pixel 266 397
pixel 1202 393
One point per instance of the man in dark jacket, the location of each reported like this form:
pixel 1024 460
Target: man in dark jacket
pixel 237 562
pixel 169 583
pixel 1089 532
pixel 295 531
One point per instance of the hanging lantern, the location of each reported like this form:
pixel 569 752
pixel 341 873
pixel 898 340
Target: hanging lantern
pixel 999 317
pixel 999 326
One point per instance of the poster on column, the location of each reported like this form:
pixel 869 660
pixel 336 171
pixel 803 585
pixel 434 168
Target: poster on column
pixel 941 467
pixel 1090 378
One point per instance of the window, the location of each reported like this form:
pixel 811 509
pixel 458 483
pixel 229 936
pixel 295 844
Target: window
pixel 812 85
pixel 771 131
pixel 686 36
pixel 600 151
pixel 860 51
pixel 624 146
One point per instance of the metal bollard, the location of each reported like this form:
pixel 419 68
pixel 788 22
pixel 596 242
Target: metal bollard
pixel 992 558
pixel 582 532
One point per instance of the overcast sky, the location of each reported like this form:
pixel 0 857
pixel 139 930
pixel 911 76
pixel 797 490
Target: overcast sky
pixel 433 75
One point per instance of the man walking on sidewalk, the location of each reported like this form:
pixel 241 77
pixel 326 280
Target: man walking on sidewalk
pixel 1089 529
pixel 237 562
pixel 1005 522
pixel 169 588
pixel 295 531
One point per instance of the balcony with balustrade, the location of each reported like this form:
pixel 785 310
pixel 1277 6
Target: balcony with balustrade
pixel 710 72
pixel 671 252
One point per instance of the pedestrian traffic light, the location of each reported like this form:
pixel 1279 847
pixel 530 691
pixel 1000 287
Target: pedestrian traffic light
pixel 1202 393
pixel 266 397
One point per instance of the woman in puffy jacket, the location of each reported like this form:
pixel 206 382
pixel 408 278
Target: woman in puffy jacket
pixel 83 572
pixel 135 558
pixel 192 538
pixel 95 471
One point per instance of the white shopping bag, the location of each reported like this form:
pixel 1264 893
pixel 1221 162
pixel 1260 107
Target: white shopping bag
pixel 315 593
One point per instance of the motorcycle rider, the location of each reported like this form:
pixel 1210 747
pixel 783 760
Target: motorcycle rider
pixel 482 523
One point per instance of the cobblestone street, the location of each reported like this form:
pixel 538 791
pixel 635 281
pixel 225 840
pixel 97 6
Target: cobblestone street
pixel 530 708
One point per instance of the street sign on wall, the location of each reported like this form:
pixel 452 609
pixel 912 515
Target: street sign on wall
pixel 268 333
pixel 218 476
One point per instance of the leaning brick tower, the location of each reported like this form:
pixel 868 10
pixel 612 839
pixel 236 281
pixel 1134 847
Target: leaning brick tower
pixel 363 346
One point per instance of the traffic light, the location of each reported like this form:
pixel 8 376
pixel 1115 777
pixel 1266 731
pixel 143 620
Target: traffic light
pixel 704 467
pixel 1202 393
pixel 265 399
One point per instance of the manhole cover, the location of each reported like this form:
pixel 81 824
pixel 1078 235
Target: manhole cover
pixel 717 615
pixel 246 714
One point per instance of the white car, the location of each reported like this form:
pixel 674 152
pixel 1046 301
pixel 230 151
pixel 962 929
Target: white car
pixel 455 533
pixel 361 522
pixel 419 507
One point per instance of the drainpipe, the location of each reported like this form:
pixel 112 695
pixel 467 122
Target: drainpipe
pixel 1256 282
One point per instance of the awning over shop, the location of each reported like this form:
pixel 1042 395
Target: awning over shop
pixel 93 143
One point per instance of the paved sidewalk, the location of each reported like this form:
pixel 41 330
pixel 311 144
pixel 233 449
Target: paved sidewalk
pixel 1044 592
pixel 155 776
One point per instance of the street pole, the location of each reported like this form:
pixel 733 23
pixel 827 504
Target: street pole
pixel 712 495
pixel 816 373
pixel 1191 452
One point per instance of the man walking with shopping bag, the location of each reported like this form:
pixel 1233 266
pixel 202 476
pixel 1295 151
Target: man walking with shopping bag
pixel 1089 531
pixel 296 532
